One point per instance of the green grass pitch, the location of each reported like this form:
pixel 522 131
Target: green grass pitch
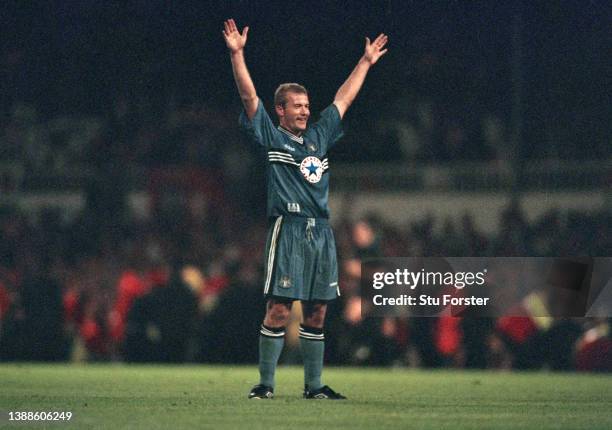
pixel 165 397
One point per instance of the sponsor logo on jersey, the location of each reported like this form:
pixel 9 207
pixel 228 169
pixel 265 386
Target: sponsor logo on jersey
pixel 312 169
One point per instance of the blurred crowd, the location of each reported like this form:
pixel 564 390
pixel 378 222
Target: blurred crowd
pixel 185 288
pixel 130 135
pixel 137 133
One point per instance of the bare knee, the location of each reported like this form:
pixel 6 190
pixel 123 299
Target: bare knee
pixel 277 314
pixel 314 314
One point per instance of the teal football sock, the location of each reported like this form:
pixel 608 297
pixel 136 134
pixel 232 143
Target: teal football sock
pixel 312 342
pixel 271 342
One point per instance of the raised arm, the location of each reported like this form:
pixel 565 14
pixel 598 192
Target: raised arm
pixel 350 88
pixel 235 42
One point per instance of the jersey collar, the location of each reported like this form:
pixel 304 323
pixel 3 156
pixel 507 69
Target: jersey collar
pixel 292 136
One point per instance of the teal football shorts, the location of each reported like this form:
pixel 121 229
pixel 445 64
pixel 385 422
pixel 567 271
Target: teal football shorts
pixel 301 261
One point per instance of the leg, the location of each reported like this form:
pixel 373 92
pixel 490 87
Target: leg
pixel 277 312
pixel 314 314
pixel 271 340
pixel 312 341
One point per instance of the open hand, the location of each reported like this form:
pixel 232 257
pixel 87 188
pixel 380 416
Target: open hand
pixel 233 39
pixel 374 50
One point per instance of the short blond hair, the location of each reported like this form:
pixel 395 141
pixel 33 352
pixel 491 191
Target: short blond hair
pixel 280 95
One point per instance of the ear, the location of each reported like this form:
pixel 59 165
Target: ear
pixel 280 110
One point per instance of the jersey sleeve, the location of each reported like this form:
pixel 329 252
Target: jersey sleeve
pixel 260 128
pixel 329 126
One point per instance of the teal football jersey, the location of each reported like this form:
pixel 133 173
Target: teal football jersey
pixel 298 167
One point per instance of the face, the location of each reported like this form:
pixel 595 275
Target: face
pixel 294 115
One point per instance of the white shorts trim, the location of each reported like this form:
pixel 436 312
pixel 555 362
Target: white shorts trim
pixel 271 253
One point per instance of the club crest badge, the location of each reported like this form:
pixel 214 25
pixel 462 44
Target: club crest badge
pixel 285 282
pixel 311 147
pixel 312 169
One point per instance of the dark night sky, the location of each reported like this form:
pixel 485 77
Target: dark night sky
pixel 76 56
